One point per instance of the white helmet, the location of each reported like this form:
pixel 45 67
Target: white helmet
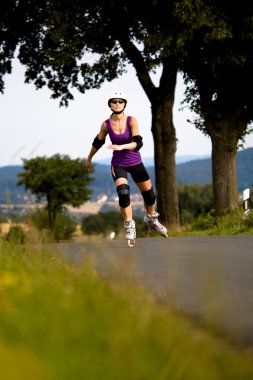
pixel 118 94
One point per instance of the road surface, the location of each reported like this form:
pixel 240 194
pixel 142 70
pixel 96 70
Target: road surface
pixel 210 278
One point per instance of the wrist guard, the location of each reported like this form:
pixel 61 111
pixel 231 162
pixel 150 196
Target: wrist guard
pixel 98 143
pixel 138 140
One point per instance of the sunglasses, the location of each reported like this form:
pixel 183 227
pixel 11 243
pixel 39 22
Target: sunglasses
pixel 115 101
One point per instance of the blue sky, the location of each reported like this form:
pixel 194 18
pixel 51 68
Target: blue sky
pixel 33 124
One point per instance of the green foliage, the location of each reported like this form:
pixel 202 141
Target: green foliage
pixel 236 222
pixel 64 228
pixel 248 219
pixel 193 200
pixel 93 224
pixel 39 219
pixel 104 223
pixel 16 235
pixel 205 222
pixel 58 180
pixel 232 223
pixel 216 63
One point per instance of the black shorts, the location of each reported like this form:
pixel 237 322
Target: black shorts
pixel 138 172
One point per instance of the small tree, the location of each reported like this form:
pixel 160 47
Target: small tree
pixel 58 180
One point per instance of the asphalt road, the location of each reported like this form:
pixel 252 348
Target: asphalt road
pixel 209 278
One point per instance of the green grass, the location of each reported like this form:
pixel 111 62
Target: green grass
pixel 233 223
pixel 62 322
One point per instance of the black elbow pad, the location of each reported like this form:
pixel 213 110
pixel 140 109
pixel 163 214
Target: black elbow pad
pixel 138 140
pixel 97 143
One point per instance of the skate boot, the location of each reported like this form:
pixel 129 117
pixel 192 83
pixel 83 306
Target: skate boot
pixel 130 235
pixel 153 222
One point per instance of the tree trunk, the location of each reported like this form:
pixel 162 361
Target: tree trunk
pixel 224 179
pixel 162 101
pixel 49 212
pixel 224 135
pixel 165 146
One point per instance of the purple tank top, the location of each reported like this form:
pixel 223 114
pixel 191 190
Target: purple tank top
pixel 124 157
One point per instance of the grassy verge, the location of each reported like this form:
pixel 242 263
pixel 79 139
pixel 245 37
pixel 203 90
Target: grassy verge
pixel 233 223
pixel 61 322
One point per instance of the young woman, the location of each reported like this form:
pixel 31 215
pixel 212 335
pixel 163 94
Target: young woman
pixel 125 144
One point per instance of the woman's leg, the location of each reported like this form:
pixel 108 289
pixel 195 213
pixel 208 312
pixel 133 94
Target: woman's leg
pixel 148 194
pixel 123 191
pixel 119 175
pixel 151 216
pixel 126 208
pixel 141 178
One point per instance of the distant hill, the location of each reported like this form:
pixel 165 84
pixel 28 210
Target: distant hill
pixel 149 161
pixel 9 192
pixel 200 171
pixel 194 171
pixel 245 169
pixel 197 171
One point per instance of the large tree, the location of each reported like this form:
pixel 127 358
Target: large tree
pixel 81 44
pixel 58 181
pixel 218 71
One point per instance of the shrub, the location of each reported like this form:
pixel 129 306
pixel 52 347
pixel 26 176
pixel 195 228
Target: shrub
pixel 105 222
pixel 248 219
pixel 205 222
pixel 64 228
pixel 16 235
pixel 232 221
pixel 194 199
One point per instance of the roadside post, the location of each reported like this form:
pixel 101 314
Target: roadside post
pixel 246 201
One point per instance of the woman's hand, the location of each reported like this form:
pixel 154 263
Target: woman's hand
pixel 88 165
pixel 116 147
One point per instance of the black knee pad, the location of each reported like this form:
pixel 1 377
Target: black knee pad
pixel 149 196
pixel 124 195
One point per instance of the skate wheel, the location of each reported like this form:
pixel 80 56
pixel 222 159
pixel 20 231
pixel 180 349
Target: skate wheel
pixel 131 243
